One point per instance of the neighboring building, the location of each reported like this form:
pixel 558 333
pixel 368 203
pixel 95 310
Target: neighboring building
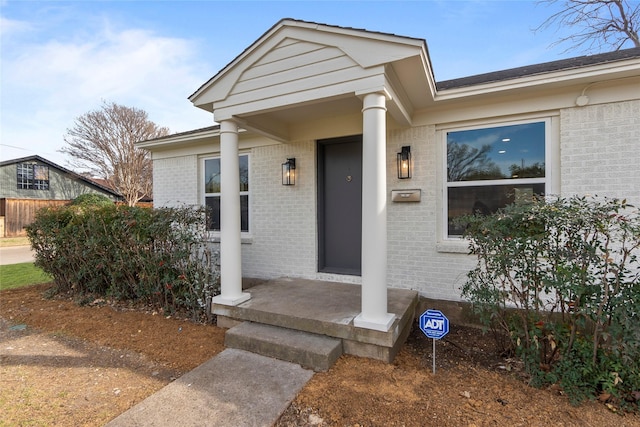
pixel 344 103
pixel 29 183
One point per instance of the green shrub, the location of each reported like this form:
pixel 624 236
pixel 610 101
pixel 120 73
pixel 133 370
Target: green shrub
pixel 91 199
pixel 158 256
pixel 558 282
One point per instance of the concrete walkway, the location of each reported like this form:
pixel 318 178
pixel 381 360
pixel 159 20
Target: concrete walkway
pixel 15 255
pixel 233 389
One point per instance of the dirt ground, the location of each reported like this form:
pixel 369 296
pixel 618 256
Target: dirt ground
pixel 70 365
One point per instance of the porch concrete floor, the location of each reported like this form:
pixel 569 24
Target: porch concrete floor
pixel 325 308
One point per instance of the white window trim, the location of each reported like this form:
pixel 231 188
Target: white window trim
pixel 214 236
pixel 445 243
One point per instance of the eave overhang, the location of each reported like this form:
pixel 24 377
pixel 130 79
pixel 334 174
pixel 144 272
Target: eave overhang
pixel 296 64
pixel 192 137
pixel 544 76
pixel 329 69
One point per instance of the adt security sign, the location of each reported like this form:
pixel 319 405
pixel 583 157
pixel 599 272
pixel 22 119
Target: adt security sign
pixel 434 324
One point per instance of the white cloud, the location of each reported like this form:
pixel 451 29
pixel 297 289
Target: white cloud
pixel 47 84
pixel 9 27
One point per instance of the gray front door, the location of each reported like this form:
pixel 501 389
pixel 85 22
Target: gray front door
pixel 340 205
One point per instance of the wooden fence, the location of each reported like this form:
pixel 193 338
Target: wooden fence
pixel 18 213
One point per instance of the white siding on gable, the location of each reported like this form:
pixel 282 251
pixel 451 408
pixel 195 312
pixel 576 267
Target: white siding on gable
pixel 295 55
pixel 599 150
pixel 293 67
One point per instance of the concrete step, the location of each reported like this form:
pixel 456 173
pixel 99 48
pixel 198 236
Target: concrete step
pixel 317 352
pixel 327 309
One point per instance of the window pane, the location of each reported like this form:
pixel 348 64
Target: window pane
pixel 213 211
pixel 41 173
pixel 40 177
pixel 504 152
pixel 25 171
pixel 25 176
pixel 244 173
pixel 244 213
pixel 212 176
pixel 485 199
pixel 212 186
pixel 41 185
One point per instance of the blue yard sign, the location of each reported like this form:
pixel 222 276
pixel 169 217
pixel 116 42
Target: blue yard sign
pixel 435 325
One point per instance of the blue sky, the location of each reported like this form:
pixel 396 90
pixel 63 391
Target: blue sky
pixel 61 59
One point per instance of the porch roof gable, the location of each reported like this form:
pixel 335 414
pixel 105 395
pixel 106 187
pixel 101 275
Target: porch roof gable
pixel 298 63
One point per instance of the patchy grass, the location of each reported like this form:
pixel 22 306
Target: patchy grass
pixel 23 274
pixel 13 241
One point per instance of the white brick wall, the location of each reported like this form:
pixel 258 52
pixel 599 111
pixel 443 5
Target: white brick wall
pixel 599 147
pixel 283 225
pixel 283 229
pixel 175 181
pixel 413 259
pixel 600 150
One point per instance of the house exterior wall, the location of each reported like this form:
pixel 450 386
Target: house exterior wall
pixel 415 261
pixel 283 218
pixel 175 180
pixel 61 185
pixel 595 153
pixel 600 149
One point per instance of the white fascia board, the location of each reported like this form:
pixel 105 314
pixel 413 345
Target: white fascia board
pixel 368 49
pixel 233 68
pixel 401 108
pixel 587 74
pixel 372 83
pixel 178 139
pixel 229 75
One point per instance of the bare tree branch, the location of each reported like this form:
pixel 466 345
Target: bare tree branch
pixel 102 142
pixel 600 25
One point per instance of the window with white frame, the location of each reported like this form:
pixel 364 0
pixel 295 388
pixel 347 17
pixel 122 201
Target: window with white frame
pixel 32 176
pixel 212 192
pixel 489 168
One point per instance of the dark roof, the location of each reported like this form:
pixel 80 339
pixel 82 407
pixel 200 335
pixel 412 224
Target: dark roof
pixel 87 181
pixel 495 76
pixel 99 182
pixel 546 67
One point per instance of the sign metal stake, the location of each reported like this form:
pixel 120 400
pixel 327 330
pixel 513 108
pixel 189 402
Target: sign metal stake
pixel 435 325
pixel 434 355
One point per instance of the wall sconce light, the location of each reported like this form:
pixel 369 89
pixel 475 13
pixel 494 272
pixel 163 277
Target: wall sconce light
pixel 289 172
pixel 404 163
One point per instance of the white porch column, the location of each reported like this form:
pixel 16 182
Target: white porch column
pixel 230 243
pixel 374 216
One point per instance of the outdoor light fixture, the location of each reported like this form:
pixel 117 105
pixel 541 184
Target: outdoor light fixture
pixel 404 163
pixel 289 172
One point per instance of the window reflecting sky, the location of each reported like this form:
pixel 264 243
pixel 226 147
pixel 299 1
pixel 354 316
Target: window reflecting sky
pixel 497 153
